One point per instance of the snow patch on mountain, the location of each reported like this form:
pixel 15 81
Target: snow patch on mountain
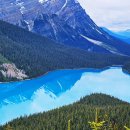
pixel 62 21
pixel 65 4
pixel 21 6
pixel 30 24
pixel 99 43
pixel 42 1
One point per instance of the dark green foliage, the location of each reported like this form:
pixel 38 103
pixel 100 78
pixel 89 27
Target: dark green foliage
pixel 2 78
pixel 3 60
pixel 126 67
pixel 38 55
pixel 6 79
pixel 79 113
pixel 92 100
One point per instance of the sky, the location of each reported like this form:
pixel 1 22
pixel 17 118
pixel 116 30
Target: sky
pixel 113 14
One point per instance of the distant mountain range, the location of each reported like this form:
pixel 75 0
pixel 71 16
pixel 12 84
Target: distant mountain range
pixel 122 35
pixel 125 33
pixel 64 21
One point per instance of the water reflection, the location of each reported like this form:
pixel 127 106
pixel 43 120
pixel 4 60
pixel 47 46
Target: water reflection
pixel 60 88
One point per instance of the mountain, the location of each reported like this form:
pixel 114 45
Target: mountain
pixel 9 71
pixel 34 55
pixel 123 35
pixel 113 111
pixel 64 21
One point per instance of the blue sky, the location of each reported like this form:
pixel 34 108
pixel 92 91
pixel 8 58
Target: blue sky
pixel 113 14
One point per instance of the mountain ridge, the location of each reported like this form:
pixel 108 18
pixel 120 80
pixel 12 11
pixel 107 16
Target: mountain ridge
pixel 30 52
pixel 63 21
pixel 120 35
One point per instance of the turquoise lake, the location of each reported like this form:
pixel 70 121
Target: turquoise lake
pixel 59 88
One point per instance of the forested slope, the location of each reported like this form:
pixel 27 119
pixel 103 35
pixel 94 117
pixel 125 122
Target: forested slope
pixel 37 55
pixel 114 112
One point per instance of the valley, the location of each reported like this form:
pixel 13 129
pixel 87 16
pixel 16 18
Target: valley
pixel 36 55
pixel 60 88
pixel 55 38
pixel 58 68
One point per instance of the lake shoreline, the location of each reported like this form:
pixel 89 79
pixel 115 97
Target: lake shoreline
pixel 78 69
pixel 60 88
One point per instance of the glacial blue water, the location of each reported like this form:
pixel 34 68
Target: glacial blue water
pixel 59 88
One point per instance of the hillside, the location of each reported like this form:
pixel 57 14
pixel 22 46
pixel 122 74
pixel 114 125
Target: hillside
pixel 9 71
pixel 64 21
pixel 114 111
pixel 124 36
pixel 36 55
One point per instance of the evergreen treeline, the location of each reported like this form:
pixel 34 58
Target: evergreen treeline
pixel 126 67
pixel 38 55
pixel 116 113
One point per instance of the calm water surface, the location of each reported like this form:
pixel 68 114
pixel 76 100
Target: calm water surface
pixel 60 88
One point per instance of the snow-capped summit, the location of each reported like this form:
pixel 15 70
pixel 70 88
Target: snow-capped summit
pixel 64 21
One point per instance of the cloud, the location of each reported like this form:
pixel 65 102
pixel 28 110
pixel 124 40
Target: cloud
pixel 113 14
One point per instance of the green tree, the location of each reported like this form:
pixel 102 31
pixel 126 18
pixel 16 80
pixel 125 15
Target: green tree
pixel 69 125
pixel 96 125
pixel 126 128
pixel 8 127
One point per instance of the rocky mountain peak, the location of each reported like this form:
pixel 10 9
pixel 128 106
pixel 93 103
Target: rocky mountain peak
pixel 64 21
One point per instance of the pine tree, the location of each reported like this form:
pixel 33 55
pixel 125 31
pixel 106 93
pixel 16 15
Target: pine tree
pixel 69 125
pixel 126 128
pixel 96 125
pixel 8 127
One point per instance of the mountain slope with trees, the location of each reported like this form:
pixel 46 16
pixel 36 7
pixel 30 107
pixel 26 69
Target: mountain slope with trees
pixel 64 21
pixel 114 112
pixel 37 55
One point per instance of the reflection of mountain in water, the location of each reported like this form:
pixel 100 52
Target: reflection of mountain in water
pixel 55 82
pixel 60 88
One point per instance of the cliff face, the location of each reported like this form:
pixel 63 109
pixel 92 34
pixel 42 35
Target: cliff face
pixel 10 71
pixel 58 19
pixel 64 21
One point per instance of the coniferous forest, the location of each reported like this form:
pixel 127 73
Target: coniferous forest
pixel 53 53
pixel 37 55
pixel 108 113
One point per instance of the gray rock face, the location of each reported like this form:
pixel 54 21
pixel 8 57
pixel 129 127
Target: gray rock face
pixel 9 70
pixel 63 21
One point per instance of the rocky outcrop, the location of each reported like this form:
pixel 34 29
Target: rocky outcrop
pixel 10 71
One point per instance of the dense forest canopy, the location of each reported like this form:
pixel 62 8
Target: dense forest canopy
pixel 37 55
pixel 114 112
